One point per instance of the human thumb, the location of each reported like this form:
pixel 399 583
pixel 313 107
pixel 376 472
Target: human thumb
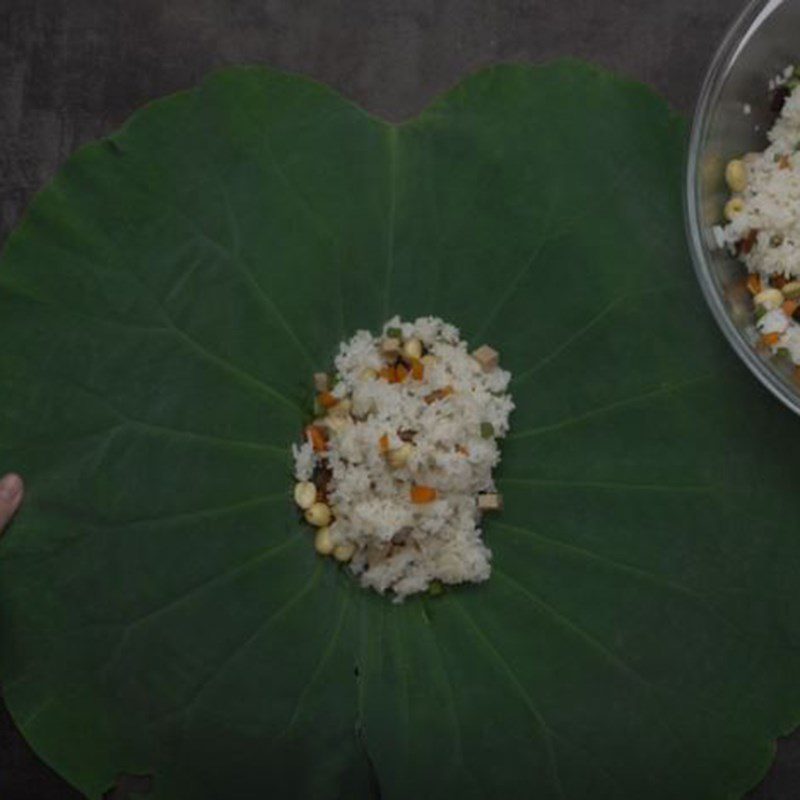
pixel 11 491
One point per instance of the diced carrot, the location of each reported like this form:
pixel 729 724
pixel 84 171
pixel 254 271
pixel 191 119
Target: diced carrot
pixel 789 307
pixel 383 443
pixel 771 339
pixel 316 436
pixel 401 373
pixel 417 369
pixel 388 374
pixel 327 400
pixel 754 284
pixel 423 494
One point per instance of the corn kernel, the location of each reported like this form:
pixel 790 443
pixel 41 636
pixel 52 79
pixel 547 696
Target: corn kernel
pixel 733 208
pixel 322 541
pixel 318 515
pixel 736 175
pixel 305 494
pixel 344 552
pixel 398 457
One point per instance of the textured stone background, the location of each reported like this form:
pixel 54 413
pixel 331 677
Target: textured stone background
pixel 72 70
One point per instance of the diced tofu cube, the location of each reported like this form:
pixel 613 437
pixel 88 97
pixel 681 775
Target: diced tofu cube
pixel 490 502
pixel 487 357
pixel 391 346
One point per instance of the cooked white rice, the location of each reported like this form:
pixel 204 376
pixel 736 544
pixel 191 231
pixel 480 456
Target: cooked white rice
pixel 772 200
pixel 769 220
pixel 401 546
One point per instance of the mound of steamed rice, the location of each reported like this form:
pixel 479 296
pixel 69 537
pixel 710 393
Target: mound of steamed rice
pixel 763 227
pixel 399 545
pixel 771 201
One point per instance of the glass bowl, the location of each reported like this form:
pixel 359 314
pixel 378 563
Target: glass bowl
pixel 758 46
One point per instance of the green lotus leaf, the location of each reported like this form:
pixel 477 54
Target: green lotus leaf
pixel 163 306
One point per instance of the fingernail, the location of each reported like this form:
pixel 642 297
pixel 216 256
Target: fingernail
pixel 10 487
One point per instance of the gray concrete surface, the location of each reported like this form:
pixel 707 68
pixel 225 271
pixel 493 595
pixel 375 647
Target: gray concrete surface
pixel 72 70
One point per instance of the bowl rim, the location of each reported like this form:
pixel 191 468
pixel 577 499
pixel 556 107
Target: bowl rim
pixel 734 38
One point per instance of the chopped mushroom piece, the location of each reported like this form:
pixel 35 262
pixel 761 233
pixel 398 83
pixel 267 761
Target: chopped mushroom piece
pixel 439 394
pixel 401 537
pixel 490 502
pixel 487 357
